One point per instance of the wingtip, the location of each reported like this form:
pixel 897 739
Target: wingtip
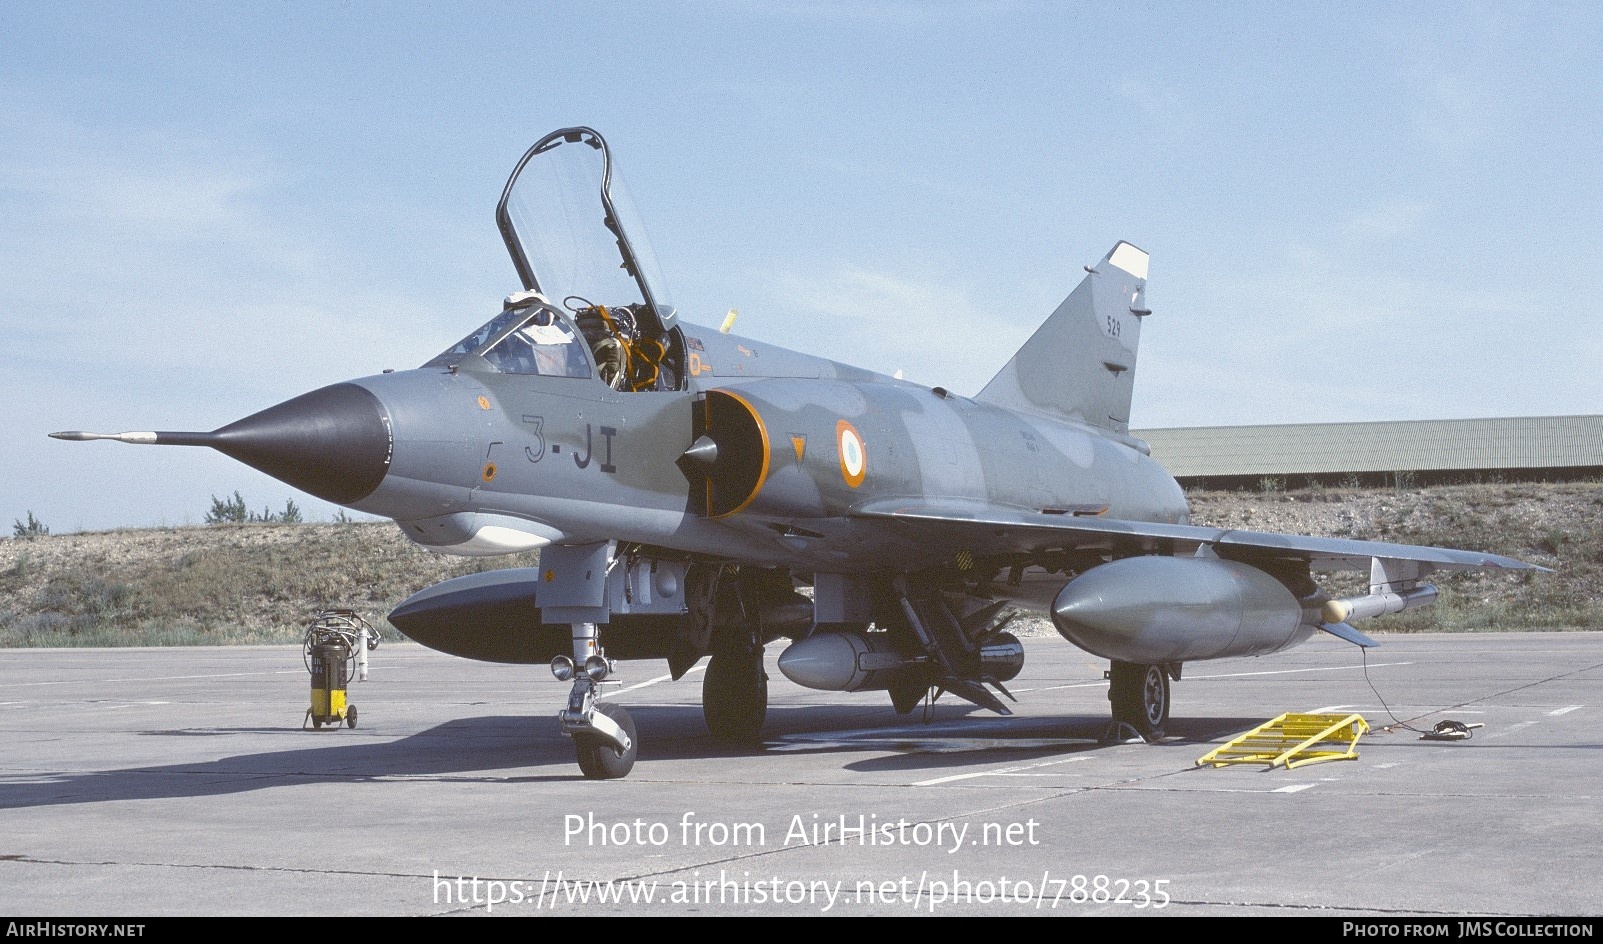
pixel 1514 563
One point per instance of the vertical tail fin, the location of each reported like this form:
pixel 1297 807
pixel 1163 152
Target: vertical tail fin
pixel 1080 363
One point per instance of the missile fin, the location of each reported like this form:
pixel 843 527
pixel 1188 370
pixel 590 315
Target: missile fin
pixel 1344 631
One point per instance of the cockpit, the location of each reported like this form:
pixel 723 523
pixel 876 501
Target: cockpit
pixel 562 216
pixel 542 344
pixel 532 337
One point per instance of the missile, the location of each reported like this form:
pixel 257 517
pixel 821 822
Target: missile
pixel 844 662
pixel 1002 658
pixel 862 662
pixel 1153 610
pixel 1346 609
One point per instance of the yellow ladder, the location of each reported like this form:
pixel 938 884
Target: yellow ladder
pixel 1292 740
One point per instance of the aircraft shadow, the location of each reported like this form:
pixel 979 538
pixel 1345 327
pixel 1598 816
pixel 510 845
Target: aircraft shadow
pixel 530 749
pixel 467 748
pixel 985 740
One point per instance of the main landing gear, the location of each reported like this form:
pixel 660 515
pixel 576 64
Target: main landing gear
pixel 734 692
pixel 741 609
pixel 1140 697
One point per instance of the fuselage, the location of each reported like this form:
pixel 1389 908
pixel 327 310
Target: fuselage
pixel 483 461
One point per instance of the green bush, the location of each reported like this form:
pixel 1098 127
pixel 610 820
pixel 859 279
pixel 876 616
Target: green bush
pixel 33 528
pixel 233 511
pixel 228 511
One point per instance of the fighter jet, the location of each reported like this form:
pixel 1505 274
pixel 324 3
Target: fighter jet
pixel 697 494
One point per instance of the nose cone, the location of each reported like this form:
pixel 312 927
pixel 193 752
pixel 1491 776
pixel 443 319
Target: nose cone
pixel 334 443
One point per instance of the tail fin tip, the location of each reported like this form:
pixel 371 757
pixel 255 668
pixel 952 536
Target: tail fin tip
pixel 1130 258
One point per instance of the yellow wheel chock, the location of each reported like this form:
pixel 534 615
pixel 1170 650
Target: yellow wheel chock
pixel 1292 740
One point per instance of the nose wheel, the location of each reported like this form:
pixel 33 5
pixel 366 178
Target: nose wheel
pixel 599 756
pixel 604 741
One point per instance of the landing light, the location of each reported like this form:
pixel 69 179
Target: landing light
pixel 562 667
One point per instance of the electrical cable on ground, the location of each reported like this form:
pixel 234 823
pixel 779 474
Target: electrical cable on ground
pixel 1447 729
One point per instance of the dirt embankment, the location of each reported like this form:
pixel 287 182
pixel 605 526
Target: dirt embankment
pixel 263 583
pixel 209 584
pixel 1555 525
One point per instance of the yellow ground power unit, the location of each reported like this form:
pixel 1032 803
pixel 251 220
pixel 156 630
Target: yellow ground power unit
pixel 336 646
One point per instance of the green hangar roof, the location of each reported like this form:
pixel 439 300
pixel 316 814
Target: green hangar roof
pixel 1568 445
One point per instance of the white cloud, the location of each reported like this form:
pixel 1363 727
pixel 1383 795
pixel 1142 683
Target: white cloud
pixel 928 327
pixel 1454 110
pixel 1315 335
pixel 158 280
pixel 1390 220
pixel 1161 103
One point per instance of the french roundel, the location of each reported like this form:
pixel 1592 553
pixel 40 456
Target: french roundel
pixel 853 458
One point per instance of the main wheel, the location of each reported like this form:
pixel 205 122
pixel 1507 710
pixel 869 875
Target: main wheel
pixel 598 759
pixel 734 695
pixel 1140 697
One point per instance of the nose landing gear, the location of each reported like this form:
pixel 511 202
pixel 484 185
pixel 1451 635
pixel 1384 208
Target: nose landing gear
pixel 604 740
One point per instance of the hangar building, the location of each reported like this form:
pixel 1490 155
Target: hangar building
pixel 1531 448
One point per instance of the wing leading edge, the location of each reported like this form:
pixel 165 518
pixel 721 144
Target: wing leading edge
pixel 985 528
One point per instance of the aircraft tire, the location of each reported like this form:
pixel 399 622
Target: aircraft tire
pixel 734 695
pixel 599 760
pixel 1140 697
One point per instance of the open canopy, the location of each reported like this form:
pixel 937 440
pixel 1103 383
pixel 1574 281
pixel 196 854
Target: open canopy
pixel 573 232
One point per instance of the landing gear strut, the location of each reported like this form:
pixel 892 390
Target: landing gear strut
pixel 1140 697
pixel 734 693
pixel 604 740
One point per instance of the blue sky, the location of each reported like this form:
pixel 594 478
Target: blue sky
pixel 1362 211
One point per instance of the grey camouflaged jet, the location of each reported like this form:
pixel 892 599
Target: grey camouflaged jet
pixel 684 484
